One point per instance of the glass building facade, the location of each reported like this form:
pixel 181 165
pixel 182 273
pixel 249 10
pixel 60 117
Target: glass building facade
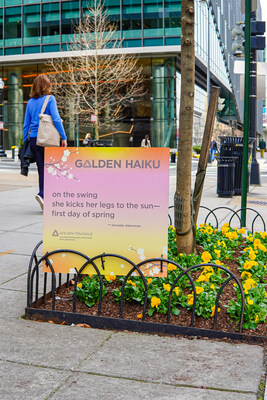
pixel 32 31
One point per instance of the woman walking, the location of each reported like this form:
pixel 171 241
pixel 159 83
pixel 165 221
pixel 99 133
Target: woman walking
pixel 146 142
pixel 41 88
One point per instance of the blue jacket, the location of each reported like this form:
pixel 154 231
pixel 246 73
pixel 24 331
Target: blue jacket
pixel 31 119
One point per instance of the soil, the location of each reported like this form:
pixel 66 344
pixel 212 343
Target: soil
pixel 64 302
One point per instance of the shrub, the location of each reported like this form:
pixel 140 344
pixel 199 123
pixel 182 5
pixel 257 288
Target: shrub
pixel 197 149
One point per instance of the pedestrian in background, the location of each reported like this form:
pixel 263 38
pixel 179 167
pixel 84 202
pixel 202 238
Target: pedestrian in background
pixel 41 88
pixel 146 142
pixel 88 141
pixel 262 146
pixel 213 148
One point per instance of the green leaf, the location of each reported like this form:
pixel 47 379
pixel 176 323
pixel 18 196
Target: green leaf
pixel 175 311
pixel 150 312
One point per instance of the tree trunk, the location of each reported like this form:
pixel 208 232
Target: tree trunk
pixel 184 229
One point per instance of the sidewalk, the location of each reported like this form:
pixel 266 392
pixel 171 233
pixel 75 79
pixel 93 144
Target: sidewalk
pixel 46 361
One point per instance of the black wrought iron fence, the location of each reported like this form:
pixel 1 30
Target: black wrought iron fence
pixel 231 216
pixel 37 296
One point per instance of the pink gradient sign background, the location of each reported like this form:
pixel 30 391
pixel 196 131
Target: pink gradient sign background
pixel 106 200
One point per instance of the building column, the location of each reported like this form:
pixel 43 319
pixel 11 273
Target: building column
pixel 15 108
pixel 163 103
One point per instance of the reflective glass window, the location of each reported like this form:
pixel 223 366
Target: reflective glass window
pixel 51 48
pixel 70 14
pixel 113 10
pixel 50 23
pixel 13 2
pixel 31 49
pixel 1 27
pixel 13 26
pixel 31 24
pixel 13 50
pixel 153 18
pixel 131 18
pixel 172 18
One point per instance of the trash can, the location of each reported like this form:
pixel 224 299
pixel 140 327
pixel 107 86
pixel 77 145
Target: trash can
pixel 226 176
pixel 232 146
pixel 173 157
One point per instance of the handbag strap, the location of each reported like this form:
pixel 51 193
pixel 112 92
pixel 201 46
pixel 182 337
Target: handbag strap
pixel 45 103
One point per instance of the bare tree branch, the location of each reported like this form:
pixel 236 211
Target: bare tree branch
pixel 90 82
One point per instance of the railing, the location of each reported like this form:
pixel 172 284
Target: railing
pixel 231 216
pixel 36 277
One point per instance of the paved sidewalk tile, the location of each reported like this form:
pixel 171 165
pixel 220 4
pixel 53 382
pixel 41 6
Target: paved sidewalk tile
pixel 104 388
pixel 21 243
pixel 21 382
pixel 13 265
pixel 48 345
pixel 12 305
pixel 179 361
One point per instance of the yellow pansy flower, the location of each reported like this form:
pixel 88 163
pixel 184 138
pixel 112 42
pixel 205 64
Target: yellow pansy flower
pixel 250 301
pixel 167 286
pixel 256 319
pixel 242 231
pixel 155 302
pixel 252 255
pixel 206 257
pixel 176 290
pixel 190 299
pixel 131 282
pixel 79 285
pixel 245 275
pixel 212 287
pixel 249 284
pixel 201 278
pixel 140 315
pixel 172 267
pixel 209 230
pixel 213 311
pixel 199 289
pixel 149 281
pixel 218 253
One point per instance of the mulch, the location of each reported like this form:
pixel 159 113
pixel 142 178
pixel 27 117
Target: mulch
pixel 64 302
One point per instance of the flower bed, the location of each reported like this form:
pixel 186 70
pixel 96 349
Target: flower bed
pixel 245 256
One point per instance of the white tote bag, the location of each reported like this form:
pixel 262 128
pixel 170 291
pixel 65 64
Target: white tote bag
pixel 47 135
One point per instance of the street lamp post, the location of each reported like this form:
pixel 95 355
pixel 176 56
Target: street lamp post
pixel 255 168
pixel 2 149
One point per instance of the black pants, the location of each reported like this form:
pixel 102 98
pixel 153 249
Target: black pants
pixel 38 152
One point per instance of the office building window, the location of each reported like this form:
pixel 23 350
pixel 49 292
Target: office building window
pixel 12 26
pixel 131 18
pixel 153 18
pixel 70 14
pixel 172 18
pixel 31 24
pixel 50 23
pixel 1 27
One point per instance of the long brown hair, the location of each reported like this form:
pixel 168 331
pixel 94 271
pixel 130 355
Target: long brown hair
pixel 41 86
